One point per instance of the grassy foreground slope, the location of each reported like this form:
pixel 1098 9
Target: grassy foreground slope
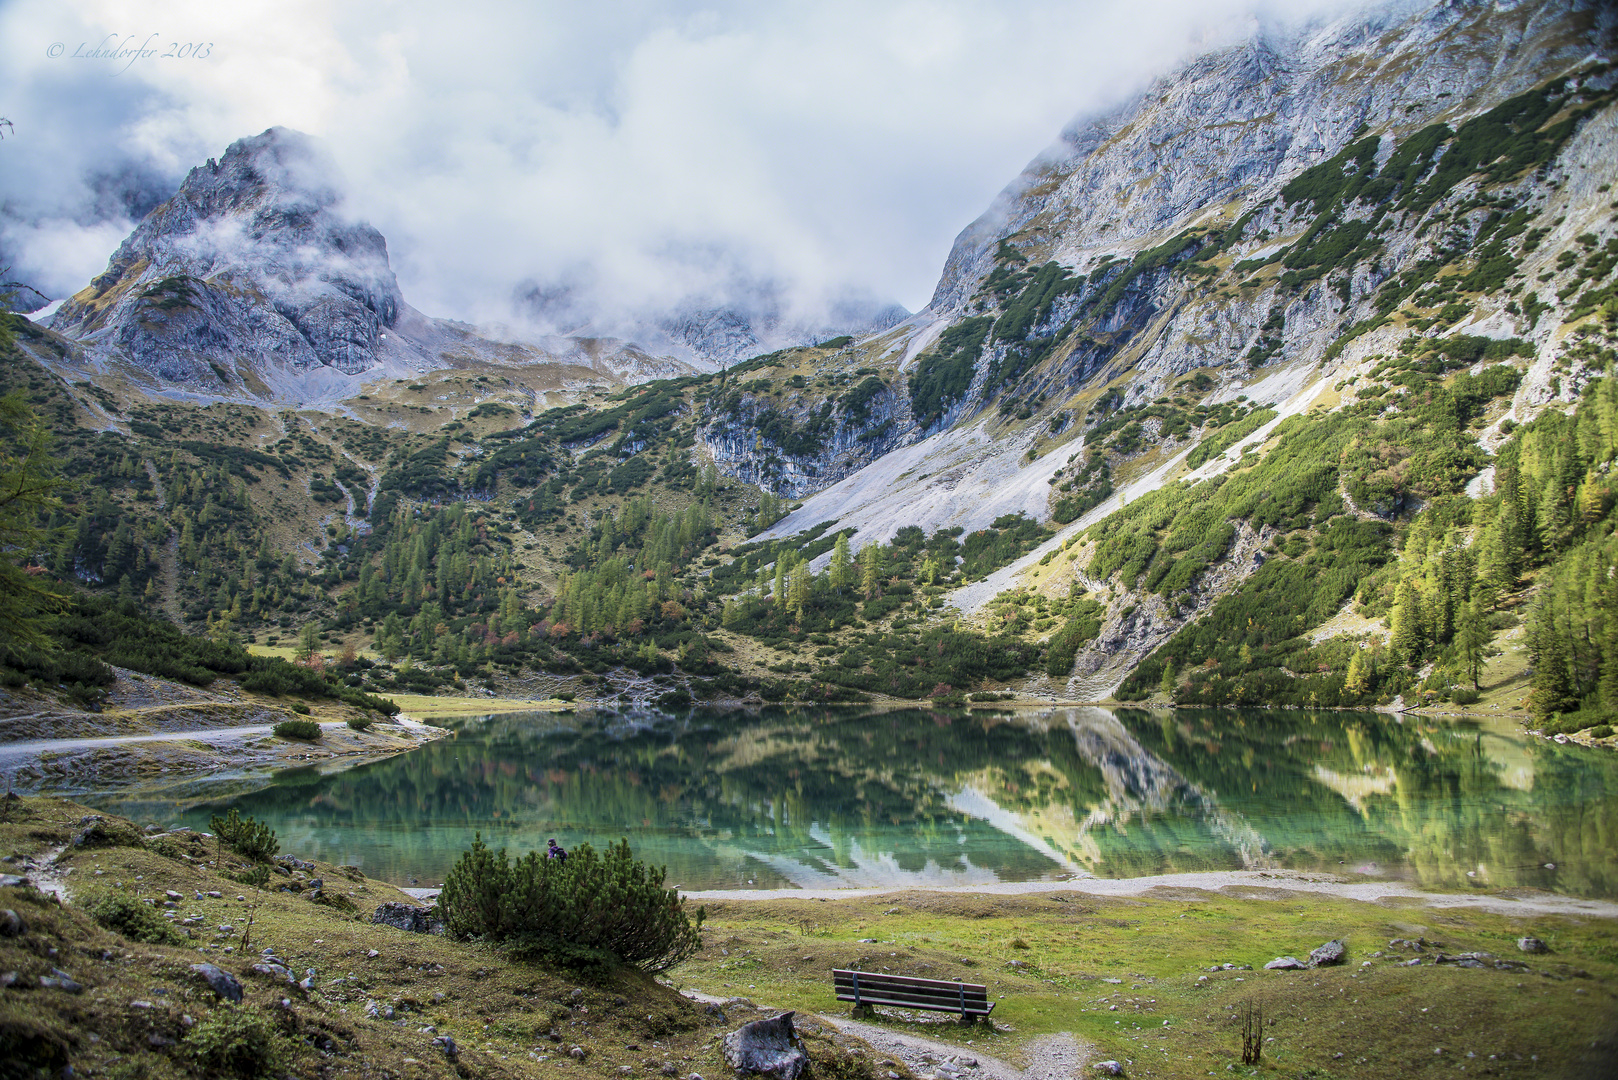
pixel 379 998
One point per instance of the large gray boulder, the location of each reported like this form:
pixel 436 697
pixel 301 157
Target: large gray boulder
pixel 1333 952
pixel 767 1048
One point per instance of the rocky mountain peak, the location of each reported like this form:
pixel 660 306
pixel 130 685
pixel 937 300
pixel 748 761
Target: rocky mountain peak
pixel 253 257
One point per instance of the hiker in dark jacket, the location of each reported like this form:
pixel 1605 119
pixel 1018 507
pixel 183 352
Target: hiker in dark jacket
pixel 554 851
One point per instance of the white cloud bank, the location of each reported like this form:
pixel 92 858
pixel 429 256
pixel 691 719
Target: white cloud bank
pixel 644 151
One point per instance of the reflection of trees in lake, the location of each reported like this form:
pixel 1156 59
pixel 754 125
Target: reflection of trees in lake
pixel 1360 787
pixel 845 796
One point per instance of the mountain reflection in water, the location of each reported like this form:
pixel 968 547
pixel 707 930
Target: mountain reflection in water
pixel 850 797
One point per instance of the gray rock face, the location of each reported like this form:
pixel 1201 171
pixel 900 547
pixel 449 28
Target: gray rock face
pixel 1237 123
pixel 253 257
pixel 1333 952
pixel 1203 148
pixel 768 1048
pixel 219 981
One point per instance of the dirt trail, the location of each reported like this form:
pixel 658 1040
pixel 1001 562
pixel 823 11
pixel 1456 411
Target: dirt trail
pixel 1050 1057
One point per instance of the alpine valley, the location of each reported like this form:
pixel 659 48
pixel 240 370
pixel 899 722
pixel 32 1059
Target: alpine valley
pixel 1286 383
pixel 1220 570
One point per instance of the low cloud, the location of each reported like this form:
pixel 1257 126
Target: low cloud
pixel 630 159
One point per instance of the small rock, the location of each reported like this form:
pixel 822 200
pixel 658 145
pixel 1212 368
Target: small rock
pixel 12 881
pixel 867 941
pixel 1286 963
pixel 172 895
pixel 9 979
pixel 1108 1068
pixel 447 1045
pixel 270 971
pixel 61 980
pixel 11 924
pixel 140 1004
pixel 1526 944
pixel 215 894
pixel 576 1053
pixel 372 954
pixel 219 981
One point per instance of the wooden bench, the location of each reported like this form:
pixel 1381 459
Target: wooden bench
pixel 939 995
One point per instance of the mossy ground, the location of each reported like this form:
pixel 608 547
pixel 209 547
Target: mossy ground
pixel 130 1020
pixel 1125 974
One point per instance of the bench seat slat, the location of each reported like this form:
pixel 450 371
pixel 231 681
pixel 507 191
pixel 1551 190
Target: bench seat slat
pixel 978 1008
pixel 941 1000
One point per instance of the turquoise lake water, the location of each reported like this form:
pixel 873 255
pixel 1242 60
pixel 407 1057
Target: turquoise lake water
pixel 853 797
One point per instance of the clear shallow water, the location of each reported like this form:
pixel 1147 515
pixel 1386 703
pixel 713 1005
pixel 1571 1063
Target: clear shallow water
pixel 846 797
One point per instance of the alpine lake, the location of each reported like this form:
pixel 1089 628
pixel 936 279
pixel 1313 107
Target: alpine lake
pixel 844 797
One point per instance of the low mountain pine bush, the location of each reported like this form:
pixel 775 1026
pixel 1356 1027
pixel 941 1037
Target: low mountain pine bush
pixel 589 909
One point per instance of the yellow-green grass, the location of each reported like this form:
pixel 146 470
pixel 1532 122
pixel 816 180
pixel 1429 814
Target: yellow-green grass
pixel 1172 1016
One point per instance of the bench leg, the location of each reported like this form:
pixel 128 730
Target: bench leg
pixel 863 1012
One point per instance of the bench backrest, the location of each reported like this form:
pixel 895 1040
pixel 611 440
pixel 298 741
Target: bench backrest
pixel 943 995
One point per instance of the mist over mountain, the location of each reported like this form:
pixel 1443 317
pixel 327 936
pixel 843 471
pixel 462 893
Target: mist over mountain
pixel 742 319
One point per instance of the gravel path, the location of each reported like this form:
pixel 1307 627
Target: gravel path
pixel 1050 1057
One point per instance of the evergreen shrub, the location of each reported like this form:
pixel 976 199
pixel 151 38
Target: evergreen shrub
pixel 297 729
pixel 248 838
pixel 126 915
pixel 587 910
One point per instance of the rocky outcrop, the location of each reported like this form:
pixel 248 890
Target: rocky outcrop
pixel 793 444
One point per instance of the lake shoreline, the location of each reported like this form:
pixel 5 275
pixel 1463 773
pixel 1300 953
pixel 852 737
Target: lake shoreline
pixel 1231 884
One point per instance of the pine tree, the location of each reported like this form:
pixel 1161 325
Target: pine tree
pixel 29 481
pixel 1471 639
pixel 1553 682
pixel 841 568
pixel 1407 644
pixel 871 570
pixel 798 590
pixel 1168 684
pixel 1358 678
